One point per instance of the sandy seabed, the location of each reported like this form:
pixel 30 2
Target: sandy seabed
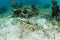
pixel 19 29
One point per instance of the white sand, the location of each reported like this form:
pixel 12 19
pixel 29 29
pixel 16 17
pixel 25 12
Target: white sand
pixel 11 30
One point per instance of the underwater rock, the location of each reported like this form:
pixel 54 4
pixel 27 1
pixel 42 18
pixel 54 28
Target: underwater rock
pixel 54 1
pixel 55 9
pixel 3 9
pixel 29 13
pixel 26 12
pixel 14 5
pixel 17 12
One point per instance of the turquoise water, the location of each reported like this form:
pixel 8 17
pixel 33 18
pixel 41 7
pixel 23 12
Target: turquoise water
pixel 37 3
pixel 25 2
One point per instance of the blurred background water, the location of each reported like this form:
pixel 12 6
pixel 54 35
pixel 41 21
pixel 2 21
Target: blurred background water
pixel 25 2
